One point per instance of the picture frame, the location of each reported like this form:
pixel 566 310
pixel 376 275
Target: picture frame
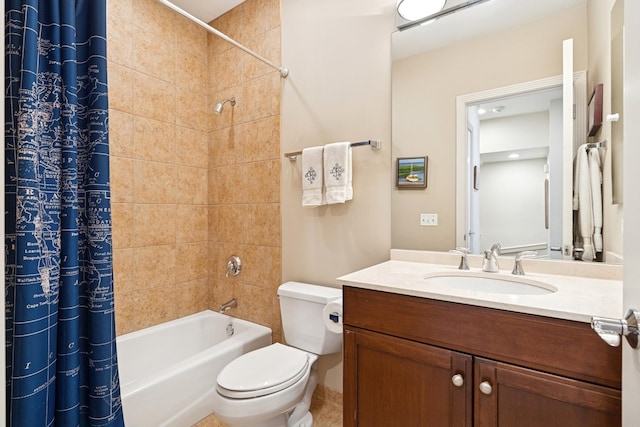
pixel 411 172
pixel 595 110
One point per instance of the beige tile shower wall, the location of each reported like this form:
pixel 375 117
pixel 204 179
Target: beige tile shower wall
pixel 159 123
pixel 244 163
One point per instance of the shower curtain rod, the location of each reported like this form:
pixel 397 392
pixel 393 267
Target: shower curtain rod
pixel 283 71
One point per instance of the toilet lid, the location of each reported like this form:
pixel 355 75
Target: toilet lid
pixel 263 371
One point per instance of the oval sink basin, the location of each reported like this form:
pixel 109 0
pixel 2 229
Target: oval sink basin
pixel 489 283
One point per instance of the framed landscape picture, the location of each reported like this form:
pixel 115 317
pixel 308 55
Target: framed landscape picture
pixel 411 172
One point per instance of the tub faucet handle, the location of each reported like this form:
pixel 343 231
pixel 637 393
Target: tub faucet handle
pixel 463 254
pixel 234 265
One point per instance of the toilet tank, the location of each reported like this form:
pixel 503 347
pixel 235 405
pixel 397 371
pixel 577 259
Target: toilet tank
pixel 301 307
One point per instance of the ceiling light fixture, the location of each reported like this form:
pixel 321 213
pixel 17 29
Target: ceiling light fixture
pixel 481 111
pixel 498 109
pixel 412 10
pixel 428 22
pixel 417 12
pixel 513 155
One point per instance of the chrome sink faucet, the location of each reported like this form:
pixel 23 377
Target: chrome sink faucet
pixel 490 260
pixel 517 266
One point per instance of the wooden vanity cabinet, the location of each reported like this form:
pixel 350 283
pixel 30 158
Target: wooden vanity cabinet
pixel 412 361
pixel 403 383
pixel 528 398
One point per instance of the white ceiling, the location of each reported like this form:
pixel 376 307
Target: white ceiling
pixel 206 10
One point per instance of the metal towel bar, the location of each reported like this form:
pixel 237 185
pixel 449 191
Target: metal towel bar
pixel 375 144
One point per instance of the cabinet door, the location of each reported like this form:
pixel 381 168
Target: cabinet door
pixel 391 381
pixel 507 395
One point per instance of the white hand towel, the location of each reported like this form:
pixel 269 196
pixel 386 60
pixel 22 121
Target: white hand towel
pixel 596 197
pixel 336 171
pixel 312 195
pixel 585 205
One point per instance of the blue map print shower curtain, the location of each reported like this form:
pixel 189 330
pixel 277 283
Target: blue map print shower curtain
pixel 61 351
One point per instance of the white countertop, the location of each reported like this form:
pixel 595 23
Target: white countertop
pixel 576 298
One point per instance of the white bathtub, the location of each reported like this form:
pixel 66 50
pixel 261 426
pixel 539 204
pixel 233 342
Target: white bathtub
pixel 168 372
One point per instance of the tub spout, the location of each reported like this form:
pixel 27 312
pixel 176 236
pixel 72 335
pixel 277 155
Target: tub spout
pixel 228 306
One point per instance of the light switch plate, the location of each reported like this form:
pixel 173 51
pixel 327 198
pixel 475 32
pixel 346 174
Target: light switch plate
pixel 429 220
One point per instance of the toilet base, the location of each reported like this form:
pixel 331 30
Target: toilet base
pixel 306 421
pixel 301 417
pixel 281 421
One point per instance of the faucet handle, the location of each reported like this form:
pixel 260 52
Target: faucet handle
pixel 526 254
pixel 517 266
pixel 234 265
pixel 463 253
pixel 460 250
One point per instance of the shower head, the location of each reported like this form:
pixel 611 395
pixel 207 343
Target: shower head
pixel 220 105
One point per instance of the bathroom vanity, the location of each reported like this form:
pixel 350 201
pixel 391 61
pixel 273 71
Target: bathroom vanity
pixel 421 355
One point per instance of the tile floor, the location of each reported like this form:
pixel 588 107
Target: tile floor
pixel 326 407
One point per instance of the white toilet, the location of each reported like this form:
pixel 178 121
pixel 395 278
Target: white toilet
pixel 272 386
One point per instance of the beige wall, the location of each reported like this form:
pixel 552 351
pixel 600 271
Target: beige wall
pixel 424 95
pixel 600 72
pixel 338 90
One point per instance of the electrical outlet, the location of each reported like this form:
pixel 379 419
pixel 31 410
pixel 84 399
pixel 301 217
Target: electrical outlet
pixel 429 220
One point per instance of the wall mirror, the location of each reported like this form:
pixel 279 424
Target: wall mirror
pixel 483 50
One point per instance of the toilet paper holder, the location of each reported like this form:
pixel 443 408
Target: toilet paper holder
pixel 335 317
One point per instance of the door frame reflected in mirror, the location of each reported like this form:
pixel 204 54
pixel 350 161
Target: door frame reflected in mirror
pixel 462 158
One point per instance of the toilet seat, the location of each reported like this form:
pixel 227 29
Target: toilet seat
pixel 264 371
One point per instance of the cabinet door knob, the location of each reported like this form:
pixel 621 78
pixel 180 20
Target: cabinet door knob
pixel 485 387
pixel 457 380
